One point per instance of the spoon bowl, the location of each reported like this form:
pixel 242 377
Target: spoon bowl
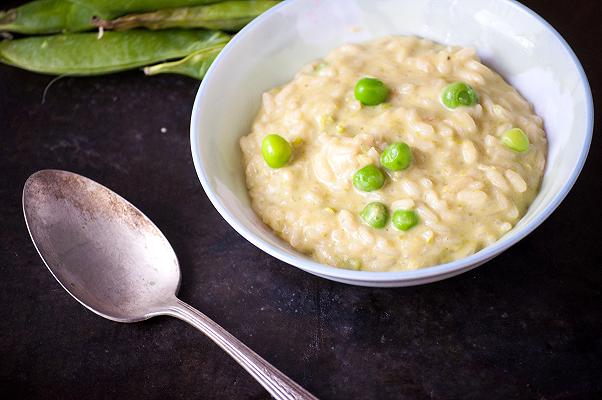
pixel 91 238
pixel 112 259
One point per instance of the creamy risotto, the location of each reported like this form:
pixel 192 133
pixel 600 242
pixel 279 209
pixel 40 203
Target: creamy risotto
pixel 394 155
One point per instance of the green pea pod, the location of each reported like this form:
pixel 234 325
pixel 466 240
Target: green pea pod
pixel 194 65
pixel 86 54
pixel 52 16
pixel 228 16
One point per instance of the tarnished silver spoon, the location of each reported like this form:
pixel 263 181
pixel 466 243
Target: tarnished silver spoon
pixel 112 259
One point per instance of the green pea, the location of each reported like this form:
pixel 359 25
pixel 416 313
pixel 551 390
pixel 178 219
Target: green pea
pixel 459 94
pixel 516 139
pixel 371 91
pixel 368 179
pixel 375 214
pixel 396 157
pixel 276 151
pixel 404 219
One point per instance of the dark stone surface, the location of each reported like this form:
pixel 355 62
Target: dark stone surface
pixel 525 325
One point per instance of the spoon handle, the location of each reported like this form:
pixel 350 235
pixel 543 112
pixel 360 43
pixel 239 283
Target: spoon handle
pixel 280 386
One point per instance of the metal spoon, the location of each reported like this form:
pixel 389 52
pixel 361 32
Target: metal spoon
pixel 112 259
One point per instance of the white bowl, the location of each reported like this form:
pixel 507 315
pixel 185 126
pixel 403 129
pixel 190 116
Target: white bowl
pixel 509 37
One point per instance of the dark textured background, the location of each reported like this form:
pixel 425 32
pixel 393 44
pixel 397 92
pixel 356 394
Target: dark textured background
pixel 525 325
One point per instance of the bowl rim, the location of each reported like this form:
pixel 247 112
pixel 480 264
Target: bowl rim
pixel 422 275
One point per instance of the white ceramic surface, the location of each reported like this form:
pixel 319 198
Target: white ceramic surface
pixel 509 37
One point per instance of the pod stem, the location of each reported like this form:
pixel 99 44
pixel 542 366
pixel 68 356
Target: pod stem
pixel 195 65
